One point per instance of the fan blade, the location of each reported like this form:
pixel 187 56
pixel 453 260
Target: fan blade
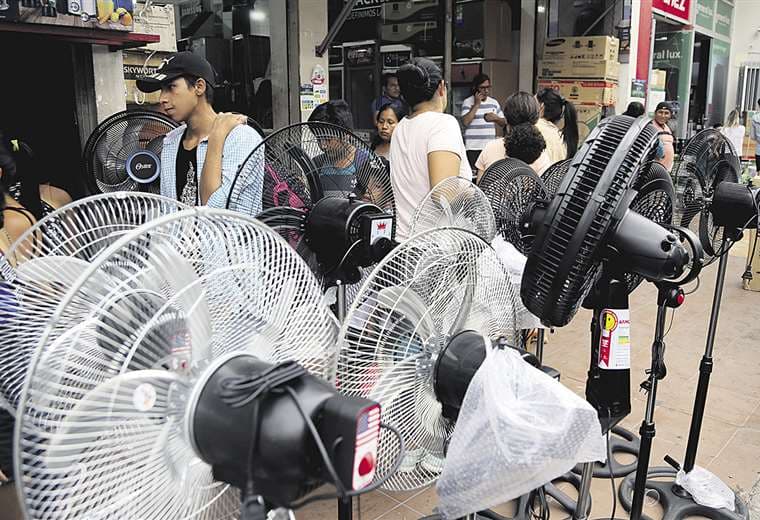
pixel 408 303
pixel 175 270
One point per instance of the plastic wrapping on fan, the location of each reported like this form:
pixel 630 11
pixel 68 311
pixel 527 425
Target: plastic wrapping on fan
pixel 706 489
pixel 514 262
pixel 518 429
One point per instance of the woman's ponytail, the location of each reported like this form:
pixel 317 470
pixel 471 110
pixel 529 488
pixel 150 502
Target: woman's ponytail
pixel 570 129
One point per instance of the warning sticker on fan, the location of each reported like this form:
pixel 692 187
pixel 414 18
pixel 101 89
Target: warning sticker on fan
pixel 615 342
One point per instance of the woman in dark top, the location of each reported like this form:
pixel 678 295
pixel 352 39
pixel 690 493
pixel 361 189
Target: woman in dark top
pixel 387 118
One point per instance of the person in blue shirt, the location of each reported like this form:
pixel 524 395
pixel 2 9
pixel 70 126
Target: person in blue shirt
pixel 200 158
pixel 391 95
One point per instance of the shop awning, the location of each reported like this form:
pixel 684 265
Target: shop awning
pixel 114 39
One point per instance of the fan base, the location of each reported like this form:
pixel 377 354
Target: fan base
pixel 676 503
pixel 621 441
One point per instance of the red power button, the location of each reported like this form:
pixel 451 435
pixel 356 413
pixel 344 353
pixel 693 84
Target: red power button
pixel 366 465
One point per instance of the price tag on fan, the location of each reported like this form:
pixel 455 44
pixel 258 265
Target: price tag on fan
pixel 615 341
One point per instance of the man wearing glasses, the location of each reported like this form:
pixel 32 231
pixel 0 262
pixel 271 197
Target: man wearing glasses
pixel 480 115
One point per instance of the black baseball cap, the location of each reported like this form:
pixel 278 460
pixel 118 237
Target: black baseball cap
pixel 180 64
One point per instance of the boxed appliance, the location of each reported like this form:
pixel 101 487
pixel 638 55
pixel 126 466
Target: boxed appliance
pixel 602 48
pixel 579 69
pixel 588 117
pixel 658 79
pixel 600 92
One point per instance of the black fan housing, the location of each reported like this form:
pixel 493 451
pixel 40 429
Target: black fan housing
pixel 124 152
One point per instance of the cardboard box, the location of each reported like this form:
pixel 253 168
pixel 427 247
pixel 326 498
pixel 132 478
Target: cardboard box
pixel 658 79
pixel 579 69
pixel 588 118
pixel 583 91
pixel 134 66
pixel 603 48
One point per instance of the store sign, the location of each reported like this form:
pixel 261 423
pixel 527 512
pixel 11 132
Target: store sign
pixel 705 17
pixel 723 13
pixel 676 9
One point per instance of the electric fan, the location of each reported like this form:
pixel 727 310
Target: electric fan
pixel 416 334
pixel 553 175
pixel 455 202
pixel 124 152
pixel 190 360
pixel 48 258
pixel 512 186
pixel 711 203
pixel 326 192
pixel 587 238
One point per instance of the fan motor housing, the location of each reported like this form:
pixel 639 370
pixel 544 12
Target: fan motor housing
pixel 286 464
pixel 337 224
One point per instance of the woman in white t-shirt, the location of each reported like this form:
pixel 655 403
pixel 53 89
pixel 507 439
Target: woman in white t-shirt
pixel 427 145
pixel 734 131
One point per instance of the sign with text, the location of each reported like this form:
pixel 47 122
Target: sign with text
pixel 723 14
pixel 676 9
pixel 705 16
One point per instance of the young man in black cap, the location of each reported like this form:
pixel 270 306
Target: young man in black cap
pixel 200 159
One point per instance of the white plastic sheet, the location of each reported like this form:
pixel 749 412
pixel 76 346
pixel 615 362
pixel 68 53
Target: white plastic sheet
pixel 517 430
pixel 514 263
pixel 706 489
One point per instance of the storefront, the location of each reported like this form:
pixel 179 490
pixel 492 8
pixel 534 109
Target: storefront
pixel 379 36
pixel 49 54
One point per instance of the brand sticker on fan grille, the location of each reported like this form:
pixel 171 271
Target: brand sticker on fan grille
pixel 144 397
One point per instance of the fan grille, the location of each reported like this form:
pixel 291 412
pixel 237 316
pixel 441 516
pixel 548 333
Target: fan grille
pixel 707 160
pixel 512 186
pixel 552 177
pixel 115 141
pixel 303 162
pixel 429 288
pixel 563 264
pixel 146 318
pixel 455 202
pixel 49 257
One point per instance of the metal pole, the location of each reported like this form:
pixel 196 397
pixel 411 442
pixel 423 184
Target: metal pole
pixel 647 430
pixel 584 492
pixel 341 301
pixel 705 368
pixel 540 346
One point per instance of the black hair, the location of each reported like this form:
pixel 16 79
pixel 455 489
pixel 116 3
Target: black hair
pixel 387 76
pixel 758 102
pixel 635 109
pixel 398 109
pixel 524 142
pixel 664 105
pixel 336 112
pixel 192 80
pixel 555 108
pixel 717 125
pixel 419 79
pixel 18 162
pixel 477 80
pixel 521 107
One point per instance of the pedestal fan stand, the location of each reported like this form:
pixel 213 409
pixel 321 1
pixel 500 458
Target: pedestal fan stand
pixel 676 502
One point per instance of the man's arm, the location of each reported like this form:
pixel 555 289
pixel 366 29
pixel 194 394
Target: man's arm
pixel 469 115
pixel 211 176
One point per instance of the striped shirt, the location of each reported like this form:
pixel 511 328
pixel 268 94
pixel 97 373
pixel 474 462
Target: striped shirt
pixel 480 132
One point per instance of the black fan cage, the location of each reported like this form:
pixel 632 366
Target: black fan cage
pixel 553 175
pixel 112 149
pixel 565 260
pixel 512 187
pixel 707 160
pixel 299 164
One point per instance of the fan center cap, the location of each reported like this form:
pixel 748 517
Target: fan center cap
pixel 144 166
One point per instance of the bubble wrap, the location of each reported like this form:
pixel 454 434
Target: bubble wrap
pixel 706 489
pixel 517 430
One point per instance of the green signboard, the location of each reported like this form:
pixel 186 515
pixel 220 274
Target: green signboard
pixel 723 14
pixel 705 14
